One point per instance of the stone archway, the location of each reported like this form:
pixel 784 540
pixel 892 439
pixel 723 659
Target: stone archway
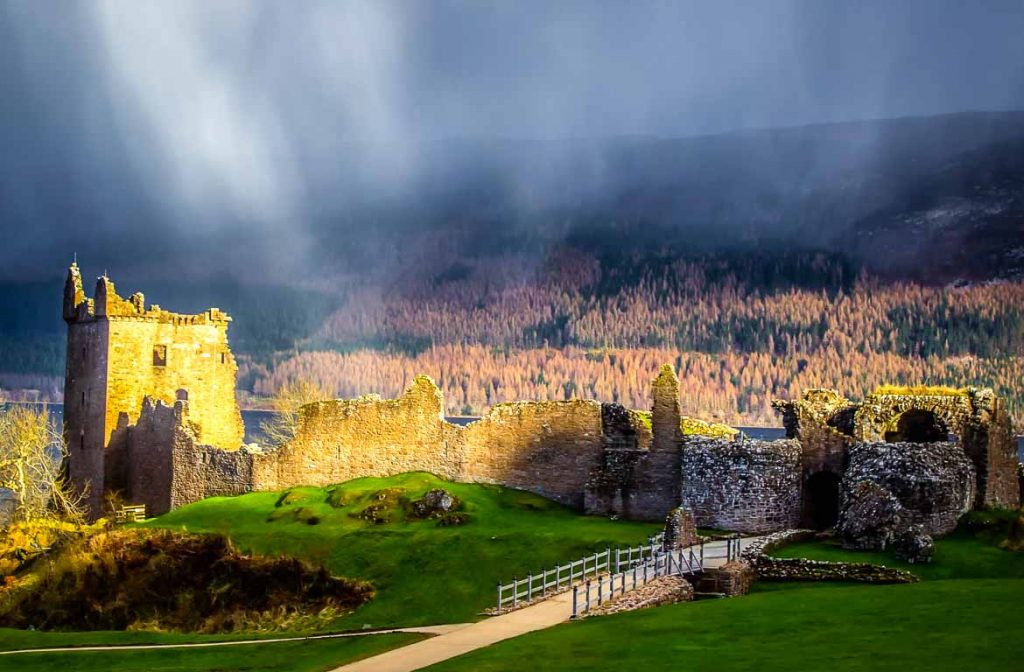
pixel 917 426
pixel 821 500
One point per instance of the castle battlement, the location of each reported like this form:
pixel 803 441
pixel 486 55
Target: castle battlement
pixel 109 304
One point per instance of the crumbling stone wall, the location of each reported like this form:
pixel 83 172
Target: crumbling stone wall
pixel 823 422
pixel 680 529
pixel 168 467
pixel 829 426
pixel 990 442
pixel 547 447
pixel 933 482
pixel 369 436
pixel 149 446
pixel 655 593
pixel 768 568
pixel 742 485
pixel 631 479
pixel 879 413
pixel 731 579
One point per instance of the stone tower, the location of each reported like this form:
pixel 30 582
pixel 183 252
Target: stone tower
pixel 119 352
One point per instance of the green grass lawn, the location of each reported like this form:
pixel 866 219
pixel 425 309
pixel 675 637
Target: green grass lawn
pixel 304 656
pixel 937 625
pixel 966 621
pixel 11 638
pixel 972 552
pixel 424 573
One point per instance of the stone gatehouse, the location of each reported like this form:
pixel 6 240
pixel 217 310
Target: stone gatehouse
pixel 158 423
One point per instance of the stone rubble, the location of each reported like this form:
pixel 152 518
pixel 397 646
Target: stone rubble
pixel 657 592
pixel 768 568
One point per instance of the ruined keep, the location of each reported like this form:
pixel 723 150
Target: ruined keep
pixel 119 352
pixel 150 412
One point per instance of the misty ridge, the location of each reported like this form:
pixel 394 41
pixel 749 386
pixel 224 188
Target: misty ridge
pixel 857 188
pixel 321 143
pixel 934 200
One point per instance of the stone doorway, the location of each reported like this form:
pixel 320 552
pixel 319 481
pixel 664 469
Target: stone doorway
pixel 821 500
pixel 917 426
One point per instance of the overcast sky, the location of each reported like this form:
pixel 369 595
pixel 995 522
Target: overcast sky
pixel 207 112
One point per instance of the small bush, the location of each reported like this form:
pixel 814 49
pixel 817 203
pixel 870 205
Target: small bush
pixel 23 542
pixel 987 522
pixel 1015 537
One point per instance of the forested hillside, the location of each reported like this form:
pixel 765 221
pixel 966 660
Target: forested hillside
pixel 741 329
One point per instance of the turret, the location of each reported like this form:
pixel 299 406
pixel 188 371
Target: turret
pixel 73 292
pixel 104 291
pixel 666 416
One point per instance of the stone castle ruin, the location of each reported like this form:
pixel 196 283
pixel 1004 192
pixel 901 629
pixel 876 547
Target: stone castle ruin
pixel 150 413
pixel 123 360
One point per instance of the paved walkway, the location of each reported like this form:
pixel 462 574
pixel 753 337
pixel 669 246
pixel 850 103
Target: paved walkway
pixel 426 630
pixel 552 611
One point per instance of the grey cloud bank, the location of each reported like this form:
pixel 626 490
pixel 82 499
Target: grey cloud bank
pixel 156 130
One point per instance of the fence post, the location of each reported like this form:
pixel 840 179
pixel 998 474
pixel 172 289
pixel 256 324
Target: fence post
pixel 608 559
pixel 600 591
pixel 587 610
pixel 622 583
pixel 575 596
pixel 618 558
pixel 515 592
pixel 529 587
pixel 634 577
pixel 499 597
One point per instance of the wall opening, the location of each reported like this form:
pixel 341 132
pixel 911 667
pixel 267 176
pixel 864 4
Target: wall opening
pixel 821 500
pixel 918 426
pixel 159 355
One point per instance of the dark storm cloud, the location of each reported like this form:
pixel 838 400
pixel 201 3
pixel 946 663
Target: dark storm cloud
pixel 160 130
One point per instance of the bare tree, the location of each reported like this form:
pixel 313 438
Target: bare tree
pixel 281 427
pixel 32 455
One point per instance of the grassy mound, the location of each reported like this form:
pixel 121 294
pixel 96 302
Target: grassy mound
pixel 166 580
pixel 939 625
pixel 425 569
